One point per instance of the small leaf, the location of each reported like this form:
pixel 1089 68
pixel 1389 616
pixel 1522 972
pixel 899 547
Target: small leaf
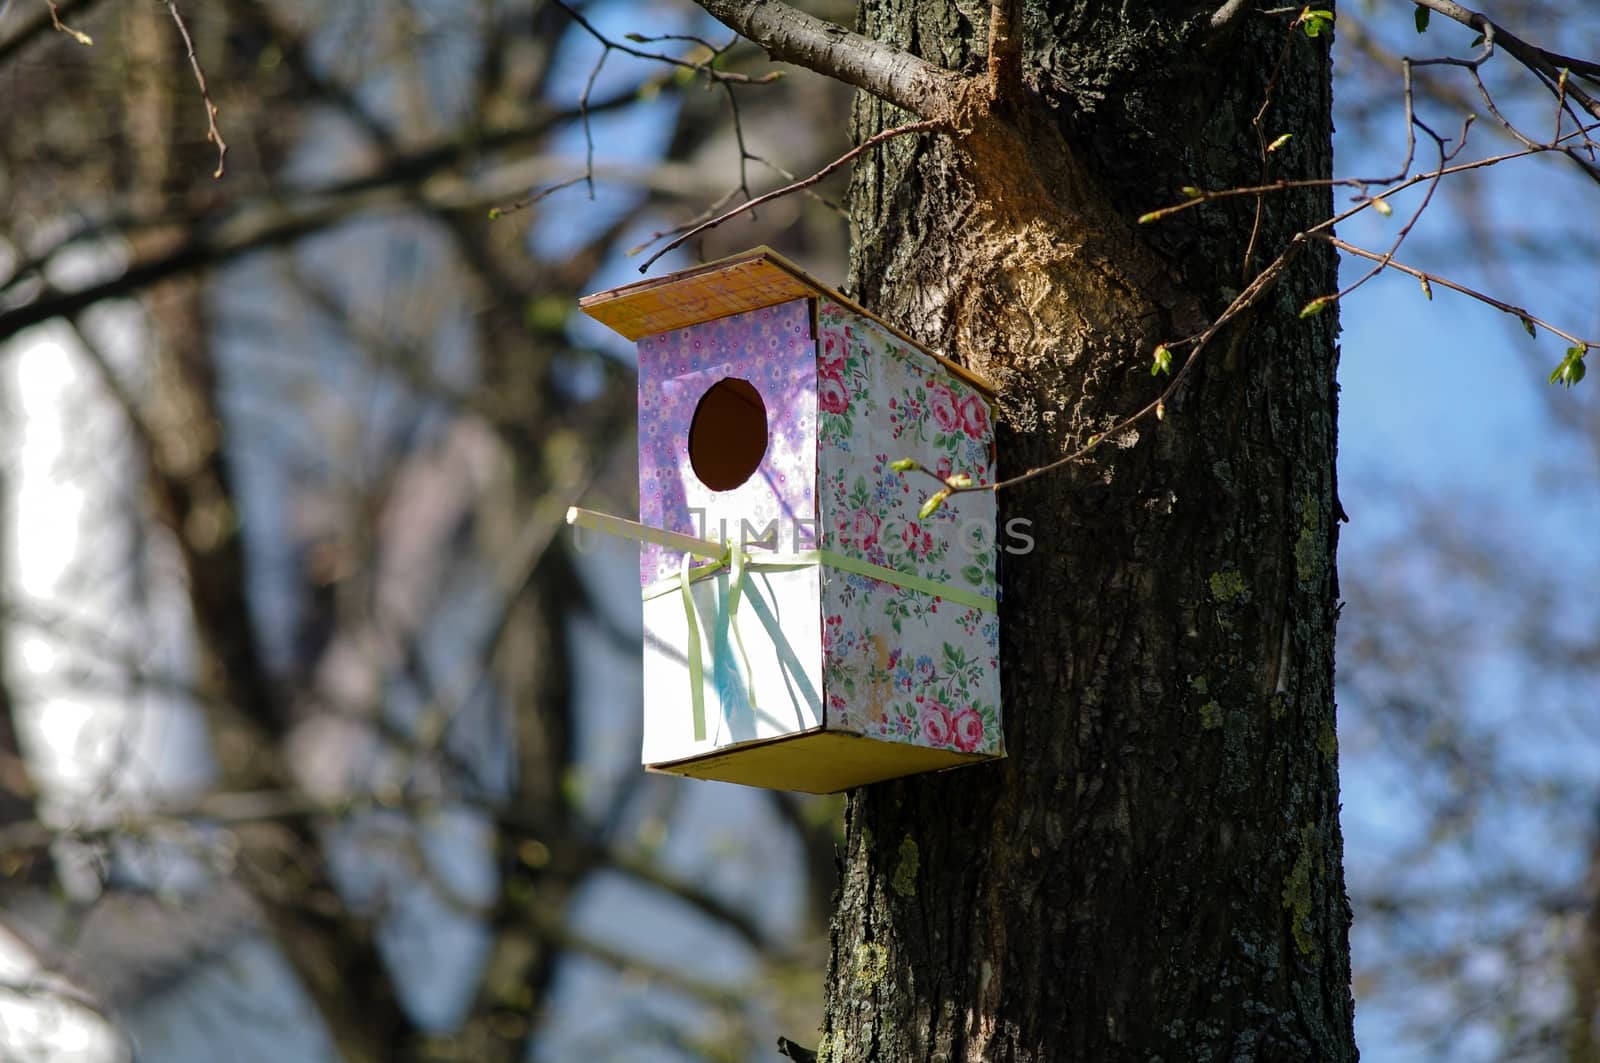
pixel 637 38
pixel 1161 409
pixel 1427 289
pixel 1571 370
pixel 1146 219
pixel 1380 205
pixel 959 479
pixel 1476 41
pixel 903 464
pixel 931 506
pixel 1162 362
pixel 1315 21
pixel 1527 325
pixel 1191 191
pixel 1280 142
pixel 1094 441
pixel 1316 306
pixel 1422 14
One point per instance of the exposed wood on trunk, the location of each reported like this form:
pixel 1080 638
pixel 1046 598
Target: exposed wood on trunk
pixel 1156 870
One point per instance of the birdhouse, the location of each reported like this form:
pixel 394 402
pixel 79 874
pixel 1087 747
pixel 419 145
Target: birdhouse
pixel 808 623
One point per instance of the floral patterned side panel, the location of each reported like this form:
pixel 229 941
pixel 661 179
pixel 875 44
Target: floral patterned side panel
pixel 904 664
pixel 772 349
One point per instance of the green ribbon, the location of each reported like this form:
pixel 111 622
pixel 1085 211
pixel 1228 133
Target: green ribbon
pixel 696 670
pixel 736 591
pixel 808 558
pixel 738 562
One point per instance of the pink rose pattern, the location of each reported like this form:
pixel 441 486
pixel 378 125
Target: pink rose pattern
pixel 903 664
pixel 772 348
pixel 840 409
pixel 945 700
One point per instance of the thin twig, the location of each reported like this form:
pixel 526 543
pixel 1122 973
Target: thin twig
pixel 1445 155
pixel 699 68
pixel 213 134
pixel 898 131
pixel 706 66
pixel 1266 148
pixel 710 212
pixel 55 20
pixel 746 156
pixel 588 133
pixel 1202 196
pixel 548 190
pixel 1528 320
pixel 1543 64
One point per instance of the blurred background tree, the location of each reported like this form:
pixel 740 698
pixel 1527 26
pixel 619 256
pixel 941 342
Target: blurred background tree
pixel 318 741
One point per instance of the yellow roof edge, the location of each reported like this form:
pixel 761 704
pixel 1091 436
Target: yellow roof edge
pixel 597 304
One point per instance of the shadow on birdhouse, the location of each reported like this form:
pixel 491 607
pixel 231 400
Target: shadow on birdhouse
pixel 806 627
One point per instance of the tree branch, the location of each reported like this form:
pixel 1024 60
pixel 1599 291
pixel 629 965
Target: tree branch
pixel 1545 65
pixel 256 226
pixel 805 182
pixel 61 27
pixel 213 134
pixel 791 36
pixel 42 22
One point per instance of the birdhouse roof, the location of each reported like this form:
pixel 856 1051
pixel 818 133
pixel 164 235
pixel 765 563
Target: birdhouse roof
pixel 747 281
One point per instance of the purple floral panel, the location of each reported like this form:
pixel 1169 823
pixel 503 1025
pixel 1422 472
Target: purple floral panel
pixel 773 350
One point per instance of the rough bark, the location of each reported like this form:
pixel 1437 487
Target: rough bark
pixel 1155 872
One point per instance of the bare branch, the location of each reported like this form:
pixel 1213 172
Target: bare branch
pixel 253 227
pixel 705 66
pixel 1227 15
pixel 805 182
pixel 213 134
pixel 1546 65
pixel 1528 320
pixel 791 36
pixel 61 27
pixel 46 22
pixel 1199 195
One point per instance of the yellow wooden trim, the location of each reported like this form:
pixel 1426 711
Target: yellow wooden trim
pixel 717 289
pixel 817 762
pixel 733 285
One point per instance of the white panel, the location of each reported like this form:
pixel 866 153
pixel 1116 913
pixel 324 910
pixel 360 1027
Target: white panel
pixel 777 695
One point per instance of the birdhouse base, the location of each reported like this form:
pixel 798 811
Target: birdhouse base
pixel 816 762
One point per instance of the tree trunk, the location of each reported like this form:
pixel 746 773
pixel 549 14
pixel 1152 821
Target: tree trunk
pixel 1155 872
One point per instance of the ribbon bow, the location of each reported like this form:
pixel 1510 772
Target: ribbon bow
pixel 737 562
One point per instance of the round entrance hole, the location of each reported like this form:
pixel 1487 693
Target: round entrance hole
pixel 728 435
